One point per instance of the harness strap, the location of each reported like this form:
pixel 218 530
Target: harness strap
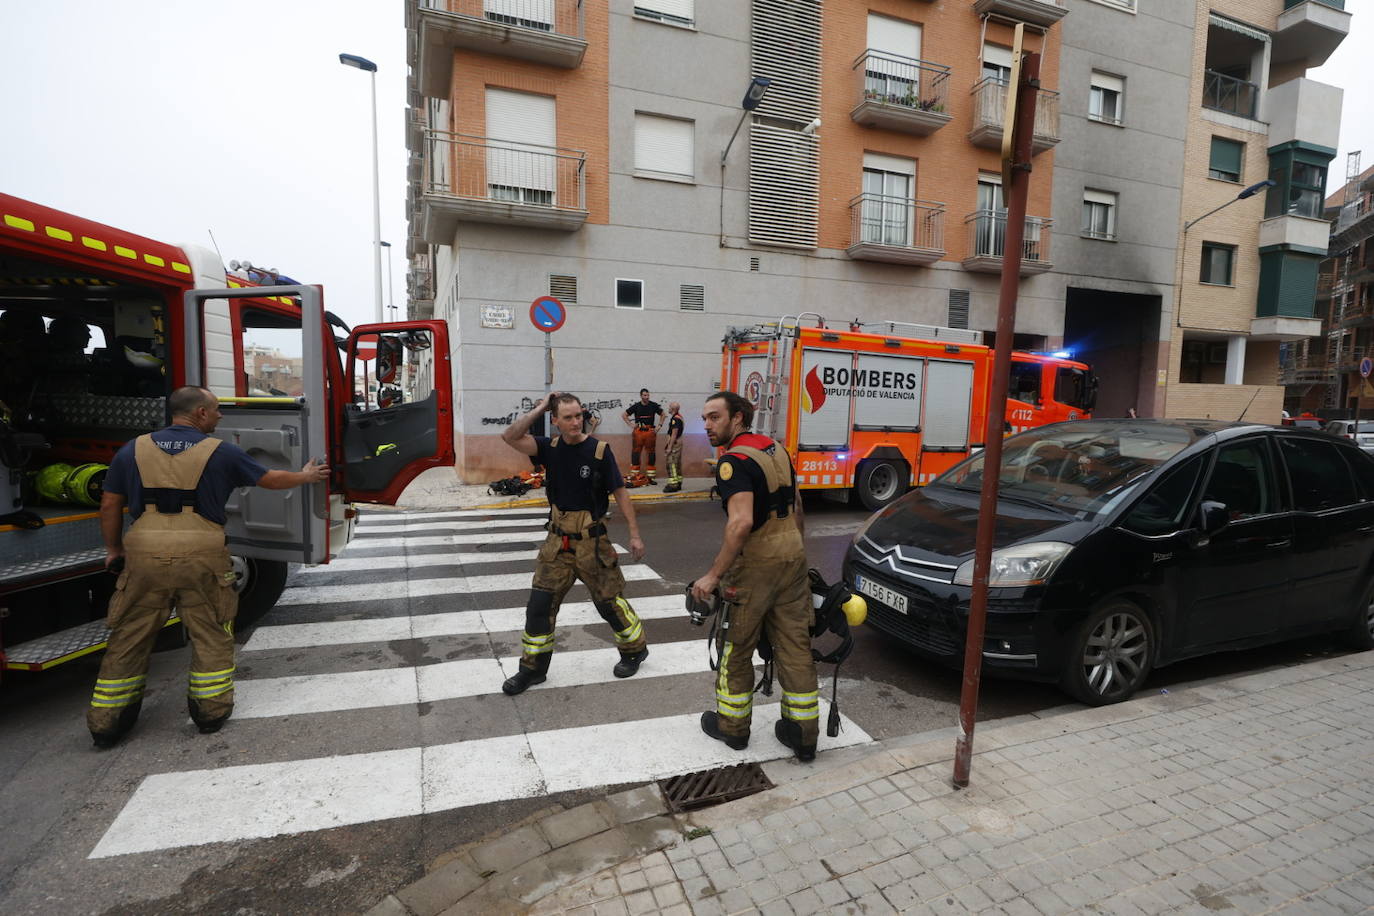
pixel 777 474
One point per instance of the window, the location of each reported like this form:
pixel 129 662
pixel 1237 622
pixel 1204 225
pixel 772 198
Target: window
pixel 1305 191
pixel 1099 214
pixel 521 162
pixel 1227 156
pixel 1104 98
pixel 673 12
pixel 629 294
pixel 1162 510
pixel 997 63
pixel 1243 479
pixel 1023 383
pixel 529 14
pixel 1217 263
pixel 889 187
pixel 990 231
pixel 664 147
pixel 1320 477
pixel 890 74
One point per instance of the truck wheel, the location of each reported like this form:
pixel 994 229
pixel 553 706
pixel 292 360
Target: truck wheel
pixel 259 584
pixel 1110 656
pixel 879 483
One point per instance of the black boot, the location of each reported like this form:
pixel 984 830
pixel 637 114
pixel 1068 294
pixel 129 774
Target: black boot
pixel 710 724
pixel 522 680
pixel 629 664
pixel 204 725
pixel 789 733
pixel 127 717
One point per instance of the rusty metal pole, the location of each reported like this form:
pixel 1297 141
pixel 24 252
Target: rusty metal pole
pixel 1016 196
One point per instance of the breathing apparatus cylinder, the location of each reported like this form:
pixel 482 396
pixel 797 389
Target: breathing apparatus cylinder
pixel 51 482
pixel 85 484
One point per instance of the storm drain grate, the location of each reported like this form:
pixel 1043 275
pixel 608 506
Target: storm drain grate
pixel 712 787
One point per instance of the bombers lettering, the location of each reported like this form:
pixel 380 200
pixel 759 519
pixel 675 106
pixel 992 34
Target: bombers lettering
pixel 868 378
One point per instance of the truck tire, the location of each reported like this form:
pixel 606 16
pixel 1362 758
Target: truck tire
pixel 880 482
pixel 259 584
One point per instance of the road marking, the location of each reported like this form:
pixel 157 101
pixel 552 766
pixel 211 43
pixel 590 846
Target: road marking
pixel 420 588
pixel 477 525
pixel 372 518
pixel 838 528
pixel 299 796
pixel 432 559
pixel 451 623
pixel 533 536
pixel 260 698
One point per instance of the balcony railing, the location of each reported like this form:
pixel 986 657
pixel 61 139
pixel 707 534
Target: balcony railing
pixel 544 31
pixel 896 229
pixel 1307 369
pixel 1226 93
pixel 987 237
pixel 481 179
pixel 989 110
pixel 901 93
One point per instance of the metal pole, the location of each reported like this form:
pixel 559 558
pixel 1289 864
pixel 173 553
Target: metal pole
pixel 376 207
pixel 548 363
pixel 997 411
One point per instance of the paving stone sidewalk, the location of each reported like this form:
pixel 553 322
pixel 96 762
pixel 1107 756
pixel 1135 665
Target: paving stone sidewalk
pixel 1252 795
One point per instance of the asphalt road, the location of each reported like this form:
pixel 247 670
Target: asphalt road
pixel 61 801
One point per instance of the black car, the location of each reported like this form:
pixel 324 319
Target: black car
pixel 1123 545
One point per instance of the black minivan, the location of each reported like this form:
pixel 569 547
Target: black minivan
pixel 1123 545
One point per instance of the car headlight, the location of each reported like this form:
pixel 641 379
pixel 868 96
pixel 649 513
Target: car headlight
pixel 1022 565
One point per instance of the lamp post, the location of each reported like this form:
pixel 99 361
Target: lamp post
pixel 362 63
pixel 390 281
pixel 752 97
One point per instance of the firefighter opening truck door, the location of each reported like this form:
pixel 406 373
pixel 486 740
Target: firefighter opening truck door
pixel 96 328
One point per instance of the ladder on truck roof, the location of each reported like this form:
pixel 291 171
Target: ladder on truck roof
pixel 779 356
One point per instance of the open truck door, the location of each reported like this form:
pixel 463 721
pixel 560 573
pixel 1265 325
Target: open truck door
pixel 407 428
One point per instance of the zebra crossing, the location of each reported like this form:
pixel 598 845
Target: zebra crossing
pixel 387 604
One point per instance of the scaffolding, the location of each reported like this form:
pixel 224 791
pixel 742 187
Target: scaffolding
pixel 1340 349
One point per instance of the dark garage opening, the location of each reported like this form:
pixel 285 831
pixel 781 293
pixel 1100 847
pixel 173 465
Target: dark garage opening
pixel 1118 335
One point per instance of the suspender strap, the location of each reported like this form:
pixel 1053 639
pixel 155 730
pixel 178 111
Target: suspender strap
pixel 777 475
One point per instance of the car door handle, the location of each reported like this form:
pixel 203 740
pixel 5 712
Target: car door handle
pixel 1275 545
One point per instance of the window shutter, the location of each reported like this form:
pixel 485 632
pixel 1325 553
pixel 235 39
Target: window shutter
pixel 684 10
pixel 523 130
pixel 1226 155
pixel 998 55
pixel 1105 81
pixel 1100 197
pixel 530 13
pixel 663 145
pixel 691 298
pixel 890 164
pixel 947 405
pixel 894 36
pixel 958 308
pixel 563 288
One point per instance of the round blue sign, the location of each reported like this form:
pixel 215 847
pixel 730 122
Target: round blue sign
pixel 1366 366
pixel 548 314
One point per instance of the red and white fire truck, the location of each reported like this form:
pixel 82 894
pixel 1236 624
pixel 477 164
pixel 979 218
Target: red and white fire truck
pixel 877 408
pixel 97 326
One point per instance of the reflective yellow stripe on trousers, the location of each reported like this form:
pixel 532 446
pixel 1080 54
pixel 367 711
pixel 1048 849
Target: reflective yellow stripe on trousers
pixel 536 645
pixel 206 684
pixel 113 693
pixel 801 705
pixel 734 705
pixel 634 629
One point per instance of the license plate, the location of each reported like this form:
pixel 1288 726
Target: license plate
pixel 893 599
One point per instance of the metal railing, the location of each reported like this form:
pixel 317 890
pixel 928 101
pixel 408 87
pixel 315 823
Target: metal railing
pixel 987 236
pixel 482 168
pixel 990 106
pixel 900 222
pixel 1227 93
pixel 905 82
pixel 557 17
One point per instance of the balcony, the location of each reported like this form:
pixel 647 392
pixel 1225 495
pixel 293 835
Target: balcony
pixel 901 93
pixel 896 229
pixel 1229 94
pixel 987 236
pixel 990 109
pixel 1308 32
pixel 1308 369
pixel 544 31
pixel 1294 232
pixel 1044 13
pixel 482 180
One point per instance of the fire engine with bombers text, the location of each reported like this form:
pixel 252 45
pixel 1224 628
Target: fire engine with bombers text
pixel 874 409
pixel 98 326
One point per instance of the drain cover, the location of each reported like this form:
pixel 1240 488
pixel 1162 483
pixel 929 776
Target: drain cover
pixel 711 787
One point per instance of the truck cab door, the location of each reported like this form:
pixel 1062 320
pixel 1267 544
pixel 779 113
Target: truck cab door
pixel 280 432
pixel 399 421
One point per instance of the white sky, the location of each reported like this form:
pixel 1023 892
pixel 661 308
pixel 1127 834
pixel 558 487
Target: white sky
pixel 123 112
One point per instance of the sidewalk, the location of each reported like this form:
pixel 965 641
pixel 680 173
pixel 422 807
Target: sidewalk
pixel 1251 795
pixel 439 488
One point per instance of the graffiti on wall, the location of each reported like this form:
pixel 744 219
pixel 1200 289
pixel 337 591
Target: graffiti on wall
pixel 528 404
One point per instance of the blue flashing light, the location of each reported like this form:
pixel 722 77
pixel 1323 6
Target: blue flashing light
pixel 1062 354
pixel 841 456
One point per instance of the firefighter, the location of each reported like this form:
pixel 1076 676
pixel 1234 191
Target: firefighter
pixel 580 474
pixel 645 418
pixel 175 482
pixel 672 452
pixel 763 560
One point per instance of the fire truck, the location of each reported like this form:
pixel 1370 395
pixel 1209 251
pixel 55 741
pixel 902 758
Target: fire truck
pixel 97 327
pixel 873 409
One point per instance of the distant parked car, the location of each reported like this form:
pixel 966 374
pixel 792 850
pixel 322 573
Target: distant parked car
pixel 1123 545
pixel 1364 438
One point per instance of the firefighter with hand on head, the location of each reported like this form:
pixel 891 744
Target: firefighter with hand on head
pixel 175 483
pixel 644 417
pixel 672 452
pixel 580 476
pixel 761 568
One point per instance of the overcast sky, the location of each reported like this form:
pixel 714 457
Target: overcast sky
pixel 175 119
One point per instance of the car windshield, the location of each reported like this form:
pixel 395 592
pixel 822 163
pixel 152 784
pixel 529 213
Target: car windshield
pixel 1082 468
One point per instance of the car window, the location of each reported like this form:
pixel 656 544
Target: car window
pixel 1243 478
pixel 1336 427
pixel 1162 510
pixel 1318 474
pixel 1362 464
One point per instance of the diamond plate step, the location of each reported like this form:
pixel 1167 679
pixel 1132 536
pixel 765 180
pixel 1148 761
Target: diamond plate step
pixel 47 651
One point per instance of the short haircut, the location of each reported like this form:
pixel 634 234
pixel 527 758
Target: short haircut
pixel 565 398
pixel 735 404
pixel 644 391
pixel 186 399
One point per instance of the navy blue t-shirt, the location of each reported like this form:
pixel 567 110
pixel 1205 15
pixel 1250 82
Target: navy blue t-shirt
pixel 229 467
pixel 570 468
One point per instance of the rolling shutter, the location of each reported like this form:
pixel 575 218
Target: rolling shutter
pixel 522 129
pixel 1226 155
pixel 664 145
pixel 893 36
pixel 682 11
pixel 948 405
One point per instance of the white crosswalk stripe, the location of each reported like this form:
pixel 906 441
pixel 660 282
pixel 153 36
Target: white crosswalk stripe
pixel 421 588
pixel 473 525
pixel 432 559
pixel 533 536
pixel 406 518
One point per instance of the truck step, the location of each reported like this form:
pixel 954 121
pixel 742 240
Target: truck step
pixel 35 568
pixel 48 651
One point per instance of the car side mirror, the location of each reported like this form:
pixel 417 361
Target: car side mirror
pixel 1213 516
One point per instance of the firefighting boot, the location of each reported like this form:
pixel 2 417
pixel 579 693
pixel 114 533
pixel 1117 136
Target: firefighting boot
pixel 104 740
pixel 672 487
pixel 204 725
pixel 710 724
pixel 789 734
pixel 525 678
pixel 629 664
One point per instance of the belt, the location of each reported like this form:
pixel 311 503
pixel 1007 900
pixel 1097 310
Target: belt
pixel 595 531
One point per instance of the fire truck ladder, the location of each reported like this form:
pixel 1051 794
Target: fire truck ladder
pixel 779 357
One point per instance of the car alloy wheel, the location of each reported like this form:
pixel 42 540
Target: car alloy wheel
pixel 1360 635
pixel 1112 656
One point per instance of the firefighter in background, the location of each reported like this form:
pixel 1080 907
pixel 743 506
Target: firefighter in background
pixel 644 418
pixel 763 560
pixel 175 482
pixel 672 452
pixel 580 475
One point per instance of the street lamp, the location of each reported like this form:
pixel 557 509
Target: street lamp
pixel 1248 192
pixel 362 63
pixel 753 96
pixel 390 281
